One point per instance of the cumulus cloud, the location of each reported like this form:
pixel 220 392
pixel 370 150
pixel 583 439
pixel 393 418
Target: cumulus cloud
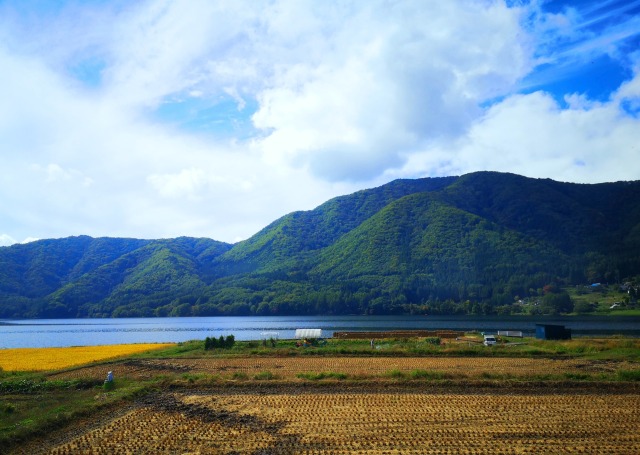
pixel 628 95
pixel 398 76
pixel 186 183
pixel 318 99
pixel 6 240
pixel 534 135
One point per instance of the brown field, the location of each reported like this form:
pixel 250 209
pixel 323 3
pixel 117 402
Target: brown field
pixel 399 421
pixel 289 367
pixel 230 406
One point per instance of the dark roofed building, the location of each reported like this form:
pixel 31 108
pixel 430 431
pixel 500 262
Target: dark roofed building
pixel 552 332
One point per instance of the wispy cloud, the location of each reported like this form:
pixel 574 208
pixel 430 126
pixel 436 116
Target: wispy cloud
pixel 581 33
pixel 604 11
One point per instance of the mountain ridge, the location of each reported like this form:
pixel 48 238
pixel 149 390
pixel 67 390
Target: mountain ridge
pixel 434 244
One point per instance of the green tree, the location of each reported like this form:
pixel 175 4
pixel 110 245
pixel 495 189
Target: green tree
pixel 229 341
pixel 583 307
pixel 557 303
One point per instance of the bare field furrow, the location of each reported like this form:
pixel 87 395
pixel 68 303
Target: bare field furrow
pixel 289 367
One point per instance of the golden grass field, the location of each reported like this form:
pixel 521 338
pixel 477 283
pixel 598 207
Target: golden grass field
pixel 44 359
pixel 369 423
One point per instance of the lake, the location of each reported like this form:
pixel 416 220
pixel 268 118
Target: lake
pixel 90 332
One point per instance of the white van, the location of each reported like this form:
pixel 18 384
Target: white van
pixel 489 340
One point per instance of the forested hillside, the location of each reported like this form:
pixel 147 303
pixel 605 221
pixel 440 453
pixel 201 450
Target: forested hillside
pixel 470 244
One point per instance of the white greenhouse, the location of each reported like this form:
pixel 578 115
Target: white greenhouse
pixel 308 333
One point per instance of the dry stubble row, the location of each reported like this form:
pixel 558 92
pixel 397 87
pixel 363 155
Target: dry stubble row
pixel 321 424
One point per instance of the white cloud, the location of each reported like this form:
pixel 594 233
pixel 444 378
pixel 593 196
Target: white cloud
pixel 629 92
pixel 397 76
pixel 186 183
pixel 6 240
pixel 78 163
pixel 342 95
pixel 533 135
pixel 154 50
pixel 55 174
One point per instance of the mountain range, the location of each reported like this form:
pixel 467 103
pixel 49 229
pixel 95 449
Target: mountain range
pixel 472 243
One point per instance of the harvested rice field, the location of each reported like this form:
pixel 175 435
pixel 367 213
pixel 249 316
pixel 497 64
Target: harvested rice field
pixel 198 403
pixel 378 421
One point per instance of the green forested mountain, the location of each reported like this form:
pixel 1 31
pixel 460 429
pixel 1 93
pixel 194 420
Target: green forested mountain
pixel 457 244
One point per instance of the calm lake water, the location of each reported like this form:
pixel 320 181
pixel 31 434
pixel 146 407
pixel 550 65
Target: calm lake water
pixel 89 332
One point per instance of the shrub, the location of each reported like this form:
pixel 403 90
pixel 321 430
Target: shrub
pixel 222 342
pixel 9 408
pixel 229 341
pixel 265 376
pixel 324 375
pixel 397 374
pixel 629 375
pixel 577 376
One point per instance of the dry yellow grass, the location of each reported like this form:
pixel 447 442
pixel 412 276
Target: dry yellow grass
pixel 42 359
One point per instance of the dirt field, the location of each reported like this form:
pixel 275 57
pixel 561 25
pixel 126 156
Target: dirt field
pixel 282 420
pixel 289 367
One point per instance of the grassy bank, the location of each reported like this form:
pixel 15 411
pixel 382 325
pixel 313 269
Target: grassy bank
pixel 31 405
pixel 468 346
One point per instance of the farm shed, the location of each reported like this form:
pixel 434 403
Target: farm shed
pixel 308 333
pixel 552 332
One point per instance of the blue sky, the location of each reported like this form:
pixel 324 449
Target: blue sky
pixel 210 118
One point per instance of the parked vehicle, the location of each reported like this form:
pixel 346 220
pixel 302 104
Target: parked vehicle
pixel 490 340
